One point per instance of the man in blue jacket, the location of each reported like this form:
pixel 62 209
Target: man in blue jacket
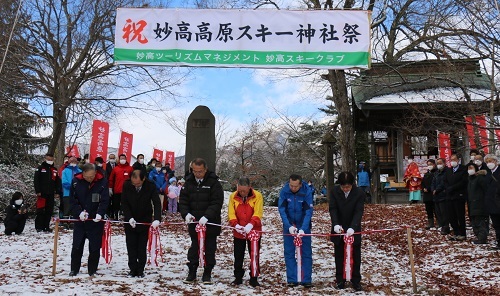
pixel 296 208
pixel 89 199
pixel 67 177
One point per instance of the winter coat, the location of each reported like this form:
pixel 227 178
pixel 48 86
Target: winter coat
pixel 92 197
pixel 243 211
pixel 47 181
pixel 296 209
pixel 140 205
pixel 456 183
pixel 109 168
pixel 140 167
pixel 493 193
pixel 118 176
pixel 438 185
pixel 476 191
pixel 346 212
pixel 427 184
pixel 363 178
pixel 203 199
pixel 158 178
pixel 12 216
pixel 67 176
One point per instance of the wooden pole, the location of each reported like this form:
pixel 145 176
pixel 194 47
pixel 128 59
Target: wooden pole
pixel 410 248
pixel 54 256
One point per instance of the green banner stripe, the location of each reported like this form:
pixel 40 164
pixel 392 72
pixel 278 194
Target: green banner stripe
pixel 243 57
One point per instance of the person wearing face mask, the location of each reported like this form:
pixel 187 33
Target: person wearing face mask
pixel 427 189
pixel 492 199
pixel 99 163
pixel 472 154
pixel 139 164
pixel 67 177
pixel 478 160
pixel 476 189
pixel 64 165
pixel 151 165
pixel 15 218
pixel 439 196
pixel 89 200
pixel 47 187
pixel 413 180
pixel 118 176
pixel 110 165
pixel 455 182
pixel 158 178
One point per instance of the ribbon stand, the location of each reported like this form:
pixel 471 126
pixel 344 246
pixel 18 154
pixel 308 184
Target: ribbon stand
pixel 54 254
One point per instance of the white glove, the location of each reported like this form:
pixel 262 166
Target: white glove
pixel 292 230
pixel 189 218
pixel 84 215
pixel 97 218
pixel 155 224
pixel 350 232
pixel 110 191
pixel 248 228
pixel 132 222
pixel 301 232
pixel 338 229
pixel 240 229
pixel 203 221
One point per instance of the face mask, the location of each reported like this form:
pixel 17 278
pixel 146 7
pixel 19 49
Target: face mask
pixel 123 161
pixel 66 160
pixel 112 160
pixel 73 164
pixel 410 160
pixel 430 167
pixel 164 171
pixel 478 162
pixel 440 166
pixel 454 163
pixel 18 202
pixel 49 162
pixel 159 169
pixel 87 161
pixel 99 165
pixel 491 165
pixel 471 172
pixel 141 160
pixel 153 164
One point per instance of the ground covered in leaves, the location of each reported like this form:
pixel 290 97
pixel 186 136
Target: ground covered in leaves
pixel 442 267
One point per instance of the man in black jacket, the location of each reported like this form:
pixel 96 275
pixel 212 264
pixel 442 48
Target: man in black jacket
pixel 139 197
pixel 455 183
pixel 346 210
pixel 47 186
pixel 201 199
pixel 492 197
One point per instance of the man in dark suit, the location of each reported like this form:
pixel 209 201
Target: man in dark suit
pixel 455 183
pixel 139 197
pixel 346 211
pixel 492 197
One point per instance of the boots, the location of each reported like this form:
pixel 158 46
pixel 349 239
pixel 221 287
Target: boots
pixel 207 275
pixel 238 277
pixel 191 275
pixel 253 282
pixel 430 224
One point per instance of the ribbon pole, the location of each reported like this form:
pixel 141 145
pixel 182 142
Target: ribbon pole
pixel 410 248
pixel 54 254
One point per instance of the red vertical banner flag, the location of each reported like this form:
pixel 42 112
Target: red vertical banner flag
pixel 72 151
pixel 99 140
pixel 482 131
pixel 170 158
pixel 158 154
pixel 470 132
pixel 125 147
pixel 444 146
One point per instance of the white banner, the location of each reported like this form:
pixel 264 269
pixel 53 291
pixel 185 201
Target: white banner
pixel 330 39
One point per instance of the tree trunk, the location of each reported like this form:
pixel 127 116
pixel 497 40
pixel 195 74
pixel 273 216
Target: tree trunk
pixel 58 141
pixel 340 98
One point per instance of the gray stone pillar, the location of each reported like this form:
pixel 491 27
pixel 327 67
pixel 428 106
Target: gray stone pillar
pixel 200 137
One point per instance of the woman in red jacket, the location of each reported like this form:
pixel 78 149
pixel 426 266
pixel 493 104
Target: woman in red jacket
pixel 119 175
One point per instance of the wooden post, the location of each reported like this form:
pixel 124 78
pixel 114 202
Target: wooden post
pixel 54 254
pixel 410 248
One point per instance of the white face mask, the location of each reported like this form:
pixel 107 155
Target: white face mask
pixel 87 161
pixel 112 160
pixel 471 172
pixel 141 160
pixel 410 161
pixel 158 169
pixel 164 171
pixel 478 162
pixel 491 165
pixel 18 202
pixel 440 166
pixel 99 165
pixel 123 161
pixel 454 163
pixel 430 167
pixel 49 162
pixel 73 164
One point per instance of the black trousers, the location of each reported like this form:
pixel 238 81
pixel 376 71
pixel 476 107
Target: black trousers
pixel 339 262
pixel 93 232
pixel 16 227
pixel 43 216
pixel 480 226
pixel 429 209
pixel 210 248
pixel 116 205
pixel 239 256
pixel 495 221
pixel 441 209
pixel 456 212
pixel 137 242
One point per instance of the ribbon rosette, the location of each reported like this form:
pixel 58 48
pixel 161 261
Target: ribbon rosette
pixel 201 230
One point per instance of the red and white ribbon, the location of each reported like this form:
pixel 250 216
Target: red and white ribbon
pixel 297 241
pixel 154 246
pixel 348 257
pixel 107 252
pixel 201 230
pixel 254 237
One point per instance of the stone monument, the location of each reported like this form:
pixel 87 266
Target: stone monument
pixel 200 137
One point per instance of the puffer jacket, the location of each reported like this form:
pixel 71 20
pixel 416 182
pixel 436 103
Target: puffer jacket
pixel 296 208
pixel 118 176
pixel 476 189
pixel 438 185
pixel 92 197
pixel 243 211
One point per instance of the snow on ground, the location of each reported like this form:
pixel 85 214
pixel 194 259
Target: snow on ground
pixel 442 267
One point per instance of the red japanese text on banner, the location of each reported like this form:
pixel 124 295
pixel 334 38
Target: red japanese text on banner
pixel 125 147
pixel 99 140
pixel 170 158
pixel 479 128
pixel 72 151
pixel 444 146
pixel 158 154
